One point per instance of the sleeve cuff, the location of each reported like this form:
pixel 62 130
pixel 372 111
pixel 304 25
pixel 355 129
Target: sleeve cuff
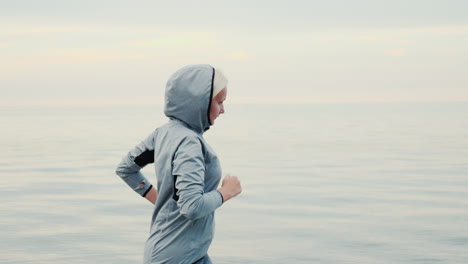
pixel 146 192
pixel 222 198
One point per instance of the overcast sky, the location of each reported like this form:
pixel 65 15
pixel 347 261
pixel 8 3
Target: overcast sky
pixel 112 52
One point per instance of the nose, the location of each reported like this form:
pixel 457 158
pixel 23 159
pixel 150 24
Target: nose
pixel 222 110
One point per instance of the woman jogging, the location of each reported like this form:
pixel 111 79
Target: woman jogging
pixel 187 169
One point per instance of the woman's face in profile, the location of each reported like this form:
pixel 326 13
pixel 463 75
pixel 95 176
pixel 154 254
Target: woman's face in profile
pixel 217 106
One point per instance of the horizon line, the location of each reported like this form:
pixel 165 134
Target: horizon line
pixel 147 103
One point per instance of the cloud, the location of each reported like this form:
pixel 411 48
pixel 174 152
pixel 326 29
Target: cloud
pixel 6 44
pixel 438 30
pixel 162 44
pixel 189 38
pixel 50 29
pixel 28 30
pixel 400 52
pixel 386 35
pixel 73 57
pixel 239 56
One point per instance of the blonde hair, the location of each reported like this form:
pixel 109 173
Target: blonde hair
pixel 219 82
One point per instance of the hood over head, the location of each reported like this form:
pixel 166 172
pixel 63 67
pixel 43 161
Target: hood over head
pixel 188 96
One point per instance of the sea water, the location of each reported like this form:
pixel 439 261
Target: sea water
pixel 323 183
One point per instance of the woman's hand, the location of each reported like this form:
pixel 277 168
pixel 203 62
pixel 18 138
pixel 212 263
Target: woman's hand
pixel 230 187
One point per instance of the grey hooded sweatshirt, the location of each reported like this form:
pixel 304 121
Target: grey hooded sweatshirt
pixel 187 171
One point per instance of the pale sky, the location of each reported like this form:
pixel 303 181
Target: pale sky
pixel 104 52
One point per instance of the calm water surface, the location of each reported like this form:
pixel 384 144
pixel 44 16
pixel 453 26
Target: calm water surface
pixel 350 183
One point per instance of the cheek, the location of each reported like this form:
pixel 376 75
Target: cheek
pixel 213 110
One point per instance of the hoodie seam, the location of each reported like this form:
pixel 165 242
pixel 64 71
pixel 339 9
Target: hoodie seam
pixel 211 95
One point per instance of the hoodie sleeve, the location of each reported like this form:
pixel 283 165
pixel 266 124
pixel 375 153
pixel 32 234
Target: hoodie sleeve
pixel 131 164
pixel 189 173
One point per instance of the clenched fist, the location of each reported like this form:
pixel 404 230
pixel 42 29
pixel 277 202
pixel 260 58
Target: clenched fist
pixel 230 187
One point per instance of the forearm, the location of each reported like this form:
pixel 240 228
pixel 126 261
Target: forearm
pixel 137 181
pixel 131 164
pixel 199 205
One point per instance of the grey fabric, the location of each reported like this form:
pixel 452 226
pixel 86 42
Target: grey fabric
pixel 187 171
pixel 129 171
pixel 188 96
pixel 205 260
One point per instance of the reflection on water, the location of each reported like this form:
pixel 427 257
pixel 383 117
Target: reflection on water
pixel 321 184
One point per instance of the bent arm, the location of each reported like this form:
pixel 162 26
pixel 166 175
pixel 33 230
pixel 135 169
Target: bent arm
pixel 137 158
pixel 189 173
